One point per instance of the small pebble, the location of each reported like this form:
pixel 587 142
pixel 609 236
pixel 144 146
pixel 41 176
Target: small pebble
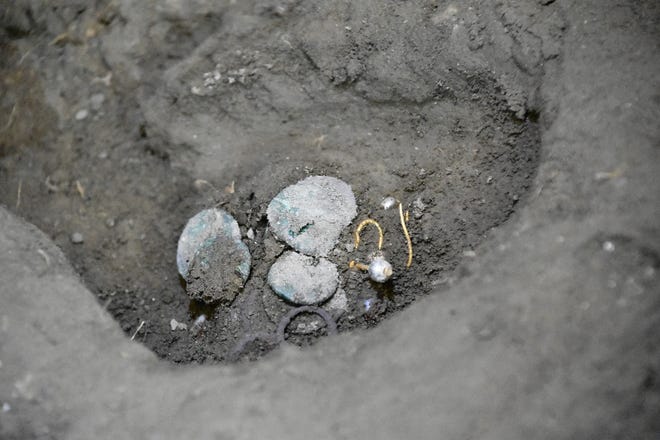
pixel 82 114
pixel 338 304
pixel 110 222
pixel 418 208
pixel 77 238
pixel 307 328
pixel 197 325
pixel 250 234
pixel 608 246
pixel 6 407
pixel 176 325
pixel 97 100
pixel 388 202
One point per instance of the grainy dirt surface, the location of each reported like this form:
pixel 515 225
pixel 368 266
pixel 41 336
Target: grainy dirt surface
pixel 457 155
pixel 521 136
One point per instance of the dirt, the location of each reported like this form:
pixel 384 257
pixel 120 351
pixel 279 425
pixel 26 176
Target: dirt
pixel 460 157
pixel 521 137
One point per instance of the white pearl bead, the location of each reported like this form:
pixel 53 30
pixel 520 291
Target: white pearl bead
pixel 380 270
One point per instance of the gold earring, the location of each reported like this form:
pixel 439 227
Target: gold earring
pixel 380 270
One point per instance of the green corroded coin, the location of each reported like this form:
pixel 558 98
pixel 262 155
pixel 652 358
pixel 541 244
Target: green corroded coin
pixel 303 280
pixel 310 215
pixel 204 225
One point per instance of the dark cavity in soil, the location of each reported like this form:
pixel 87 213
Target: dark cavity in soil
pixel 460 166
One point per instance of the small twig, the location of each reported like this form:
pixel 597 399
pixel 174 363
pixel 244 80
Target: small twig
pixel 199 183
pixel 136 331
pixel 107 303
pixel 81 189
pixel 318 141
pixel 538 192
pixel 64 36
pixel 11 118
pixel 25 55
pixel 45 255
pixel 105 80
pixel 18 193
pixel 50 186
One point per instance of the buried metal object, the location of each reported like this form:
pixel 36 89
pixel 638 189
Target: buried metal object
pixel 212 258
pixel 286 320
pixel 310 215
pixel 303 280
pixel 278 337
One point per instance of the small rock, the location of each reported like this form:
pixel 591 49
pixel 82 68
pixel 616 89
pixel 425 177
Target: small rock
pixel 175 325
pixel 418 208
pixel 310 215
pixel 82 114
pixel 388 202
pixel 338 304
pixel 303 280
pixel 250 234
pixel 198 325
pixel 110 222
pixel 608 246
pixel 96 101
pixel 306 328
pixel 77 238
pixel 6 407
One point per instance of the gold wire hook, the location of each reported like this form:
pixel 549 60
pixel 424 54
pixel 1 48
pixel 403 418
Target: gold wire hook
pixel 354 264
pixel 361 226
pixel 404 218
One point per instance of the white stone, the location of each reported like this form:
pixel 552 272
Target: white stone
pixel 82 114
pixel 175 325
